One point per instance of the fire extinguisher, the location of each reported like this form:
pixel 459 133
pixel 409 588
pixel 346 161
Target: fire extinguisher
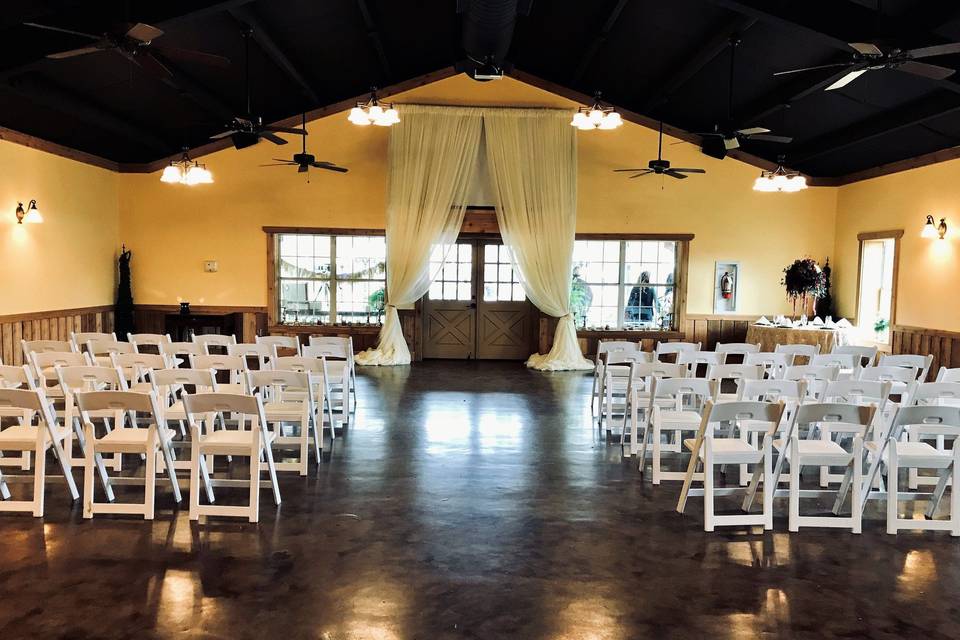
pixel 726 285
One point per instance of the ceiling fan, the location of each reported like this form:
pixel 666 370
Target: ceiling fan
pixel 135 43
pixel 303 160
pixel 729 137
pixel 660 166
pixel 870 57
pixel 247 130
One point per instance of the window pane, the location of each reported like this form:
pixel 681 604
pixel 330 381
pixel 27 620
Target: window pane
pixel 304 301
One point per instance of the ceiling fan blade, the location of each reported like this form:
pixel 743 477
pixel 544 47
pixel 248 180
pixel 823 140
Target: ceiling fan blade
pixel 629 170
pixel 751 131
pixel 302 168
pixel 152 64
pixel 642 173
pixel 277 164
pixel 686 170
pixel 224 134
pixel 189 55
pixel 275 139
pixel 73 53
pixel 847 79
pixel 771 138
pixel 143 32
pixel 866 48
pixel 731 143
pixel 933 71
pixel 822 66
pixel 935 50
pixel 47 27
pixel 674 174
pixel 292 130
pixel 709 133
pixel 329 167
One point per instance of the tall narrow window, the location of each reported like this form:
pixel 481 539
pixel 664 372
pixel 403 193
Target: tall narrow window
pixel 876 286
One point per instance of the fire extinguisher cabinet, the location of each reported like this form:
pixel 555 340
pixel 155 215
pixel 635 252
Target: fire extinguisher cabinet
pixel 726 283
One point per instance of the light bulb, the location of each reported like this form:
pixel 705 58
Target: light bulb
pixel 596 116
pixel 33 214
pixel 358 117
pixel 193 176
pixel 586 125
pixel 375 112
pixel 392 115
pixel 171 174
pixel 579 119
pixel 929 229
pixel 205 177
pixel 613 120
pixel 764 184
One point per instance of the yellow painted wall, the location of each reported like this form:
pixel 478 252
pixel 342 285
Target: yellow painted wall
pixel 68 261
pixel 929 269
pixel 173 229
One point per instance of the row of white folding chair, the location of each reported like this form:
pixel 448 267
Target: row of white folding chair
pixel 610 375
pixel 941 393
pixel 866 356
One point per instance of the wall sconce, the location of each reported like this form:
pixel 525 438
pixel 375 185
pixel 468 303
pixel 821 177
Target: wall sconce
pixel 930 230
pixel 31 215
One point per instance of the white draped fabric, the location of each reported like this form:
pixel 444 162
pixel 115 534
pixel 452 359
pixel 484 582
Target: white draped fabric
pixel 431 162
pixel 532 155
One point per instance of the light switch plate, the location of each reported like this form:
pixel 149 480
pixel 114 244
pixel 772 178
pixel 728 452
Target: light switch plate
pixel 210 266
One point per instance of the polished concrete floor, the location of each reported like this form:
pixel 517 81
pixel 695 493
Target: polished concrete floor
pixel 469 500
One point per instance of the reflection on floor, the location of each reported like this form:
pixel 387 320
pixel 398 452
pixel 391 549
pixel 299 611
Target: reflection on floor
pixel 469 500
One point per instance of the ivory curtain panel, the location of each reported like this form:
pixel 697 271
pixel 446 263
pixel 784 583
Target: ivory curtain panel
pixel 532 155
pixel 432 157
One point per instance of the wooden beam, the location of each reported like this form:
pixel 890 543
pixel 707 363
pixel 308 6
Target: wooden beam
pixel 375 41
pixel 261 35
pixel 696 59
pixel 598 41
pixel 924 160
pixel 33 142
pixel 47 93
pixel 911 114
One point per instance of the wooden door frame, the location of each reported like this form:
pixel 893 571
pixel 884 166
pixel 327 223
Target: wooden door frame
pixel 891 234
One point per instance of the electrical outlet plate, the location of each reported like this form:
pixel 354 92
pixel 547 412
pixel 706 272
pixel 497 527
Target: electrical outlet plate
pixel 210 266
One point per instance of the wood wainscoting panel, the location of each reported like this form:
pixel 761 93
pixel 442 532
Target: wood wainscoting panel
pixel 944 346
pixel 49 325
pixel 709 329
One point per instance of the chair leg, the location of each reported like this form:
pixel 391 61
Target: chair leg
pixel 39 477
pixel 88 464
pixel 656 453
pixel 893 487
pixel 150 478
pixel 4 489
pixel 195 460
pixel 273 475
pixel 304 443
pixel 254 514
pixel 794 518
pixel 166 449
pixel 955 493
pixel 708 506
pixel 857 495
pixel 64 463
pixel 317 437
pixel 769 486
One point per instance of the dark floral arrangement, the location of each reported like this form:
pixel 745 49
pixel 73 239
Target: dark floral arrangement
pixel 802 279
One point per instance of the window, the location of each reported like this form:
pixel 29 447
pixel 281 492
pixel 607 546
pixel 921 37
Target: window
pixel 500 281
pixel 624 284
pixel 877 285
pixel 455 280
pixel 330 278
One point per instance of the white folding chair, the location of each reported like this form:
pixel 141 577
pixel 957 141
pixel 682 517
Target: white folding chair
pixel 136 367
pixel 693 360
pixel 687 397
pixel 798 350
pixel 774 364
pixel 81 338
pixel 732 373
pixel 235 368
pixel 736 348
pixel 711 451
pixel 920 363
pixel 27 438
pixel 948 375
pixel 922 423
pixel 337 358
pixel 816 377
pixel 668 348
pixel 262 353
pixel 276 343
pixel 253 443
pixel 170 385
pixel 848 363
pixel 317 370
pixel 78 379
pixel 612 389
pixel 45 365
pixel 864 393
pixel 152 340
pixel 29 347
pixel 866 356
pixel 790 392
pixel 637 399
pixel 347 342
pixel 282 409
pixel 902 379
pixel 180 352
pixel 148 442
pixel 603 346
pixel 12 377
pixel 940 394
pixel 217 341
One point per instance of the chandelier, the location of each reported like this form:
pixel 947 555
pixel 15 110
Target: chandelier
pixel 186 171
pixel 780 179
pixel 596 116
pixel 374 112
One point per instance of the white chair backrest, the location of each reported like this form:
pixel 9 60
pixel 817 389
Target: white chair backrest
pixel 99 401
pixel 139 340
pixel 168 383
pixel 773 363
pixel 16 401
pixel 927 421
pixel 842 360
pixel 174 349
pixel 693 360
pixel 816 377
pixel 45 364
pixel 81 338
pixel 44 346
pixel 329 351
pixel 948 375
pixel 664 348
pixel 249 406
pixel 217 340
pixel 135 366
pixel 271 383
pixel 771 390
pixel 735 372
pixel 804 350
pixel 90 378
pixel 12 377
pixel 300 363
pixel 857 392
pixel 683 390
pixel 604 346
pixel 108 347
pixel 921 364
pixel 262 352
pixel 619 356
pixel 235 365
pixel 826 412
pixel 717 412
pixel 318 340
pixel 742 348
pixel 656 369
pixel 867 355
pixel 889 373
pixel 280 342
pixel 936 393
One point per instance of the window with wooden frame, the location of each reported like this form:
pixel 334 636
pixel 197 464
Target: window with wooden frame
pixel 877 268
pixel 326 276
pixel 629 282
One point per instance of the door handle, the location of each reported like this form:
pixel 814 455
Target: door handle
pixel 472 305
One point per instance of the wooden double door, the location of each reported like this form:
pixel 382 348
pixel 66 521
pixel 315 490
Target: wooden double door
pixel 476 307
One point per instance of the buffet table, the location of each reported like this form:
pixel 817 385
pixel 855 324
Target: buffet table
pixel 768 337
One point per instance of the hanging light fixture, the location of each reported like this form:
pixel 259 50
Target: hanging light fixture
pixel 932 230
pixel 596 116
pixel 780 179
pixel 374 112
pixel 186 171
pixel 31 215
